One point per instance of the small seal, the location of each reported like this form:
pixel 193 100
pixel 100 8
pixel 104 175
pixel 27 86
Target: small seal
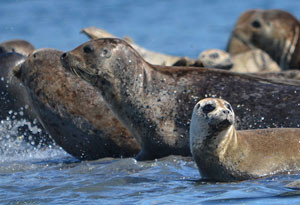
pixel 156 102
pixel 72 111
pixel 17 46
pixel 214 58
pixel 274 31
pixel 223 153
pixel 15 103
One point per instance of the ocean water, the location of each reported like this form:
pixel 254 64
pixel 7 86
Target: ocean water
pixel 48 175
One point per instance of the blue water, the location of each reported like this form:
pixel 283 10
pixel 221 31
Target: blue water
pixel 50 176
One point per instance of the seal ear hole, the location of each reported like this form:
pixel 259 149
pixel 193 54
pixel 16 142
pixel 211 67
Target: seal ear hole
pixel 88 49
pixel 256 24
pixel 208 108
pixel 229 107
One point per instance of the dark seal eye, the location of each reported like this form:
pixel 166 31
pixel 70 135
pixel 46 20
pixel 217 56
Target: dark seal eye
pixel 208 108
pixel 88 49
pixel 214 55
pixel 256 24
pixel 228 107
pixel 106 53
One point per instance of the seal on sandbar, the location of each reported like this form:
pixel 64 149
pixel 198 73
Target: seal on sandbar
pixel 72 111
pixel 156 102
pixel 274 31
pixel 16 46
pixel 223 153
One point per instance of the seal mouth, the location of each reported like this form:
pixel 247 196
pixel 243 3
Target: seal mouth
pixel 220 125
pixel 76 66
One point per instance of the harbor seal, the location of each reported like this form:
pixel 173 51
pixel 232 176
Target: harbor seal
pixel 150 56
pixel 155 102
pixel 274 31
pixel 72 111
pixel 214 58
pixel 18 46
pixel 15 103
pixel 223 153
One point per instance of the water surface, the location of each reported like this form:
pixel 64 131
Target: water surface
pixel 47 175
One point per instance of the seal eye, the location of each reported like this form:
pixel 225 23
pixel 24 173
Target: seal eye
pixel 256 24
pixel 106 53
pixel 214 55
pixel 208 108
pixel 228 107
pixel 88 49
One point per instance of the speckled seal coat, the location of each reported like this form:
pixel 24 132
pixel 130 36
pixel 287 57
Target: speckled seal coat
pixel 156 103
pixel 223 153
pixel 72 111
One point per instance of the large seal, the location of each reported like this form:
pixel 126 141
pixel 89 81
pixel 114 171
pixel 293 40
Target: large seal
pixel 17 46
pixel 15 106
pixel 274 31
pixel 72 111
pixel 156 102
pixel 150 56
pixel 223 153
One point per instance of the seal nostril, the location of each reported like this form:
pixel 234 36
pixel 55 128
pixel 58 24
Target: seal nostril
pixel 63 55
pixel 225 111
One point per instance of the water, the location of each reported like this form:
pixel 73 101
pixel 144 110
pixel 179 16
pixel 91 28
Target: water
pixel 48 175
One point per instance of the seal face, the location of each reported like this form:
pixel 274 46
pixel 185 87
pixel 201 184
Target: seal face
pixel 214 58
pixel 16 46
pixel 72 111
pixel 224 154
pixel 156 102
pixel 274 31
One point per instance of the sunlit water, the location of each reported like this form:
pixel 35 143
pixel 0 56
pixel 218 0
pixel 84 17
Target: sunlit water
pixel 47 175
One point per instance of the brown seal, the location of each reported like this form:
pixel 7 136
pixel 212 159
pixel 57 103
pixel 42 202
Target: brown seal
pixel 156 102
pixel 15 106
pixel 72 111
pixel 274 31
pixel 18 46
pixel 223 153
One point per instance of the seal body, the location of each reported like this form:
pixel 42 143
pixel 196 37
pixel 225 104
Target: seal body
pixel 223 153
pixel 253 61
pixel 72 111
pixel 15 104
pixel 16 46
pixel 156 102
pixel 274 31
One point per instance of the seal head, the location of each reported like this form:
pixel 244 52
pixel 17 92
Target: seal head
pixel 274 31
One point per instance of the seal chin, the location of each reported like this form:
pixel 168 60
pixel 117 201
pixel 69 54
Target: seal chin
pixel 218 124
